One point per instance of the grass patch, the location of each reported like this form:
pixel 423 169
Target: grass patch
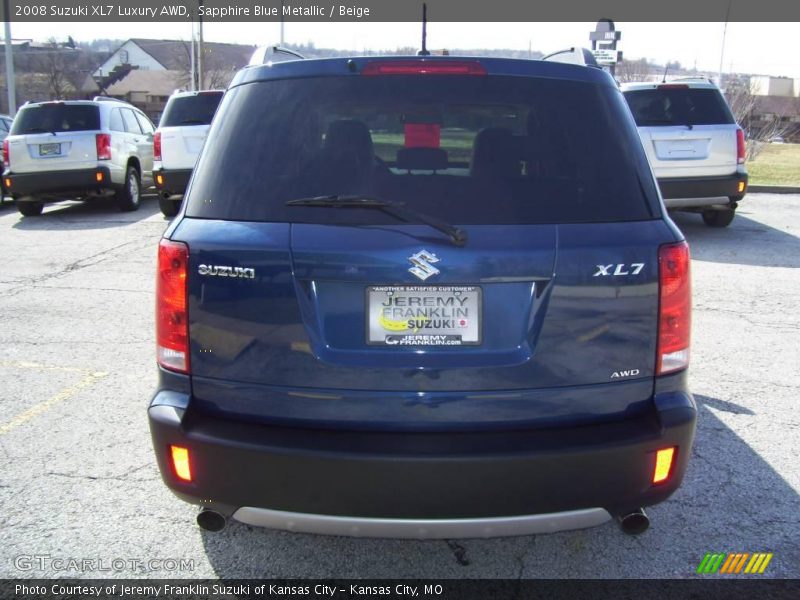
pixel 776 164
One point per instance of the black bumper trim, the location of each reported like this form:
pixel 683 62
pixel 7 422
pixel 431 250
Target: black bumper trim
pixel 58 182
pixel 703 187
pixel 174 182
pixel 423 475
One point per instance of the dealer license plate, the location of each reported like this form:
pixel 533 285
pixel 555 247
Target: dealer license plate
pixel 430 315
pixel 49 149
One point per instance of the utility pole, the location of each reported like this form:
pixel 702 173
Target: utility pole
pixel 192 79
pixel 200 52
pixel 722 51
pixel 10 84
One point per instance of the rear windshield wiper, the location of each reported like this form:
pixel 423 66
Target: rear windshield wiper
pixel 457 236
pixel 41 130
pixel 193 122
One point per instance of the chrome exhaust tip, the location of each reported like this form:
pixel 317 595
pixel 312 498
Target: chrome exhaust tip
pixel 211 520
pixel 634 522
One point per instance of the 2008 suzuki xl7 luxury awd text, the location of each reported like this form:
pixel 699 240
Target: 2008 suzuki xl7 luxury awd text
pixel 423 297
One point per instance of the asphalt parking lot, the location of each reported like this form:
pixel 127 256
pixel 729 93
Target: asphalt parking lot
pixel 78 479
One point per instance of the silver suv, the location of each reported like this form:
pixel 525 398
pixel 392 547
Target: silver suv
pixel 694 145
pixel 177 143
pixel 78 149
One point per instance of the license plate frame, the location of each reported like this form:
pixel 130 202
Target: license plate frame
pixel 470 310
pixel 52 149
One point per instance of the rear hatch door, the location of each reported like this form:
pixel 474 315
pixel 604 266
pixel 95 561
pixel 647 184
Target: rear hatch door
pixel 352 317
pixel 54 136
pixel 184 127
pixel 686 131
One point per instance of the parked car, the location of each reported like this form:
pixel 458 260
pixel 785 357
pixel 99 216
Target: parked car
pixel 423 297
pixel 5 126
pixel 78 149
pixel 177 143
pixel 694 145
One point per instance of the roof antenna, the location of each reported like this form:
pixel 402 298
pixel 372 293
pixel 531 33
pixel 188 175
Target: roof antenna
pixel 424 51
pixel 664 78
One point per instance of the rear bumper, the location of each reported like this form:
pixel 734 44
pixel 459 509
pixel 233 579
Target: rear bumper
pixel 388 483
pixel 703 187
pixel 172 181
pixel 55 183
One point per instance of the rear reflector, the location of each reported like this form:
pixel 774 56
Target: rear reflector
pixel 103 143
pixel 424 67
pixel 160 179
pixel 8 183
pixel 664 460
pixel 741 150
pixel 180 462
pixel 157 145
pixel 6 159
pixel 172 329
pixel 98 177
pixel 675 308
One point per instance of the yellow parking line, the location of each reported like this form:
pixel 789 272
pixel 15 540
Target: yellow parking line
pixel 25 364
pixel 38 409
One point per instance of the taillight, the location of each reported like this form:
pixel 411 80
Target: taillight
pixel 172 325
pixel 6 159
pixel 741 149
pixel 675 308
pixel 103 143
pixel 157 146
pixel 423 67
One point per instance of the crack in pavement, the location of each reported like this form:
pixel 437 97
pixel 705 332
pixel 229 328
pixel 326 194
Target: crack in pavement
pixel 79 265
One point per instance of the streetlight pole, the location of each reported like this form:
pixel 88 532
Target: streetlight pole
pixel 10 83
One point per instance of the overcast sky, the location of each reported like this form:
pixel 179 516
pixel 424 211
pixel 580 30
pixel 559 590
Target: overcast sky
pixel 765 48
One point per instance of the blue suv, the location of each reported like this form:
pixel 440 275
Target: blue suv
pixel 423 297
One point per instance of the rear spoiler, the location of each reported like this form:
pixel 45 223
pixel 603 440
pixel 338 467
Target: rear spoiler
pixel 573 56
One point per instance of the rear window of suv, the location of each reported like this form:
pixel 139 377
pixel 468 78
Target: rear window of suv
pixel 678 106
pixel 468 150
pixel 191 110
pixel 56 118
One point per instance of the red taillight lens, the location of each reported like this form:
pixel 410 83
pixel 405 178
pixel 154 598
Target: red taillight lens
pixel 741 149
pixel 103 143
pixel 424 67
pixel 6 159
pixel 157 146
pixel 675 308
pixel 172 324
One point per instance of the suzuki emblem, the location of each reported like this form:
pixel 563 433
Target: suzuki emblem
pixel 422 264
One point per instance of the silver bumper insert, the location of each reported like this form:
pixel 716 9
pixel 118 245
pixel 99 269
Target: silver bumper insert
pixel 422 528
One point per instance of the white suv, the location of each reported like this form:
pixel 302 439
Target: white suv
pixel 78 149
pixel 694 145
pixel 177 143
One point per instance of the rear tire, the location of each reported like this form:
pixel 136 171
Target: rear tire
pixel 30 209
pixel 130 196
pixel 169 208
pixel 719 218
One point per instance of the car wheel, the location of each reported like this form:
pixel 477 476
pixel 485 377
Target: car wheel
pixel 169 208
pixel 718 218
pixel 30 209
pixel 130 196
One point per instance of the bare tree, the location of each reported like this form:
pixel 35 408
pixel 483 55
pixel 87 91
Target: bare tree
pixel 633 70
pixel 217 74
pixel 58 67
